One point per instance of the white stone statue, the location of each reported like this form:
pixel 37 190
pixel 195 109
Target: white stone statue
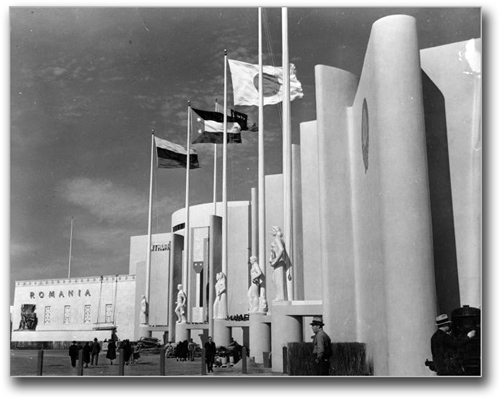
pixel 220 302
pixel 144 310
pixel 255 285
pixel 180 308
pixel 281 265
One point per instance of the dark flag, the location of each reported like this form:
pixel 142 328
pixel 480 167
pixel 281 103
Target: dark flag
pixel 242 120
pixel 172 156
pixel 208 127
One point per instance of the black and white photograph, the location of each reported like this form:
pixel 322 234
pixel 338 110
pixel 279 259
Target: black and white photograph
pixel 221 192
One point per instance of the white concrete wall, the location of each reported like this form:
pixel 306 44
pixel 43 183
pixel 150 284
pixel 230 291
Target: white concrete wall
pixel 56 294
pixel 375 216
pixel 310 211
pixel 456 70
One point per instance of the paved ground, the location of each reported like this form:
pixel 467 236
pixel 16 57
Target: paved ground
pixel 57 363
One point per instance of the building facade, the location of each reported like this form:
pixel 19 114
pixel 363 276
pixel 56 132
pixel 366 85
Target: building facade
pixel 386 225
pixel 62 310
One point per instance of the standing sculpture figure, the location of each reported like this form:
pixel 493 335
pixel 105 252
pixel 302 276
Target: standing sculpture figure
pixel 281 265
pixel 256 282
pixel 180 308
pixel 220 302
pixel 144 310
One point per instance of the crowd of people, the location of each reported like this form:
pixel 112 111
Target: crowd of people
pixel 188 350
pixel 447 349
pixel 91 350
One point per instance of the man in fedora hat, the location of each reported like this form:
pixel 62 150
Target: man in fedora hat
pixel 322 344
pixel 444 348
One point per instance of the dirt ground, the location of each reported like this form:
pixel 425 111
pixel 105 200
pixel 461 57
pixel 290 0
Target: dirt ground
pixel 56 363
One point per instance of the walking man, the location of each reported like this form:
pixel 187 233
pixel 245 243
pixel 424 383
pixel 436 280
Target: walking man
pixel 210 354
pixel 73 353
pixel 96 349
pixel 322 350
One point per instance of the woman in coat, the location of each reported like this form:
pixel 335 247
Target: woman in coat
pixel 86 354
pixel 111 354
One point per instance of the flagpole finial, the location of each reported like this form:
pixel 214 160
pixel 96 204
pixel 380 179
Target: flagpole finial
pixel 225 51
pixel 189 103
pixel 153 131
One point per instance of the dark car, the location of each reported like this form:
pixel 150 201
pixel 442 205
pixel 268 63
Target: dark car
pixel 149 342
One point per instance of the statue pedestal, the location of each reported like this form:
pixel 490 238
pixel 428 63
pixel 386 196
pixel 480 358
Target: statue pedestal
pixel 222 334
pixel 144 331
pixel 181 332
pixel 287 328
pixel 260 335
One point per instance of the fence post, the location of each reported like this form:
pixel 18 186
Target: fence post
pixel 121 363
pixel 40 363
pixel 244 360
pixel 203 362
pixel 266 359
pixel 285 359
pixel 162 361
pixel 80 362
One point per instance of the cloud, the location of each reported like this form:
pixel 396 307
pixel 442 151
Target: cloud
pixel 18 249
pixel 115 205
pixel 104 199
pixel 106 239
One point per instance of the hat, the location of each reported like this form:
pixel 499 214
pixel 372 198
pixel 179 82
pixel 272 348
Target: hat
pixel 442 320
pixel 317 320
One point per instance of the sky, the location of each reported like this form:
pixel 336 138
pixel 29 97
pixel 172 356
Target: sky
pixel 88 85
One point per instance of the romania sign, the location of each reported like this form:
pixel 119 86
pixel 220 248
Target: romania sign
pixel 61 294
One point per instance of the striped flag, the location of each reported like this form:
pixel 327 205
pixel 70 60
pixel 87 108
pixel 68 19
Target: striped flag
pixel 210 127
pixel 172 156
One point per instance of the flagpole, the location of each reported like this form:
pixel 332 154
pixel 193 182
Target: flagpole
pixel 224 174
pixel 215 168
pixel 150 216
pixel 186 229
pixel 150 224
pixel 261 176
pixel 287 151
pixel 70 246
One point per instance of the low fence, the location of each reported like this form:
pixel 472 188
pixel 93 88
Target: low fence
pixel 348 359
pixel 44 358
pixel 40 345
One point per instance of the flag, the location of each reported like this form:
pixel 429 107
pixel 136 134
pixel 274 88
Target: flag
pixel 209 127
pixel 171 156
pixel 242 120
pixel 246 83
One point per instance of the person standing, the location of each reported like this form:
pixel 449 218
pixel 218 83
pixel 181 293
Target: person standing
pixel 322 350
pixel 210 350
pixel 127 351
pixel 444 348
pixel 114 337
pixel 111 354
pixel 86 354
pixel 73 353
pixel 191 349
pixel 96 349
